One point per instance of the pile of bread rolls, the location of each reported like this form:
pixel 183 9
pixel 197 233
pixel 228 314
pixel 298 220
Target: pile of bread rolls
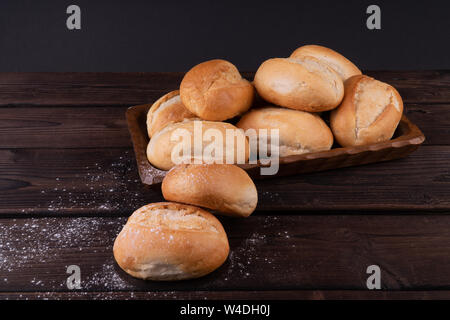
pixel 296 91
pixel 180 240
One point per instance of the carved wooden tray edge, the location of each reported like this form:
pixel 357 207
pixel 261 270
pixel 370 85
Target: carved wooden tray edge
pixel 407 139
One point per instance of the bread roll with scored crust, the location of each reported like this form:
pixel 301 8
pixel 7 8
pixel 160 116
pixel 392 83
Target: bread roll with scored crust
pixel 344 67
pixel 167 109
pixel 214 90
pixel 161 146
pixel 171 241
pixel 369 113
pixel 302 83
pixel 222 187
pixel 299 132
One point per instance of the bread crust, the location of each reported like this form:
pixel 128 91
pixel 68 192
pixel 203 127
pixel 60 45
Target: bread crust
pixel 344 67
pixel 160 147
pixel 167 109
pixel 214 90
pixel 170 241
pixel 222 187
pixel 369 113
pixel 303 84
pixel 299 132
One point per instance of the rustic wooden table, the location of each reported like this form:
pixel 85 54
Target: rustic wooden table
pixel 68 180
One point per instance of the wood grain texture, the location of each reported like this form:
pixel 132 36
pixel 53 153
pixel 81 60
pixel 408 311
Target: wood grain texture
pixel 231 295
pixel 119 89
pixel 267 253
pixel 71 181
pixel 84 89
pixel 93 127
pixel 96 181
pixel 433 120
pixel 407 138
pixel 65 152
pixel 63 127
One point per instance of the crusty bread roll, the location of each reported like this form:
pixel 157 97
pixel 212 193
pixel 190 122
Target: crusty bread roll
pixel 299 83
pixel 344 67
pixel 171 241
pixel 215 90
pixel 166 142
pixel 369 113
pixel 222 187
pixel 167 109
pixel 299 132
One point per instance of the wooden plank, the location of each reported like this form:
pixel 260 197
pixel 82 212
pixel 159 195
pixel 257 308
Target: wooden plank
pixel 433 120
pixel 70 181
pixel 105 181
pixel 81 127
pixel 93 89
pixel 121 89
pixel 232 295
pixel 267 253
pixel 92 127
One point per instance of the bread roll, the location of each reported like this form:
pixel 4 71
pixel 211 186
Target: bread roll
pixel 299 132
pixel 171 241
pixel 166 142
pixel 344 67
pixel 303 84
pixel 369 113
pixel 215 90
pixel 222 187
pixel 167 109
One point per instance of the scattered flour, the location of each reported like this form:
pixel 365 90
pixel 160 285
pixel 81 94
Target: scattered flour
pixel 98 187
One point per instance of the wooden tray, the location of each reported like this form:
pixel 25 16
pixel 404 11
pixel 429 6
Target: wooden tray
pixel 407 138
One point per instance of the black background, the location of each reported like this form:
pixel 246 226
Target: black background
pixel 170 35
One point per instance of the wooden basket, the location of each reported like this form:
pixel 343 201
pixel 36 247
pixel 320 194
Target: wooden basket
pixel 407 138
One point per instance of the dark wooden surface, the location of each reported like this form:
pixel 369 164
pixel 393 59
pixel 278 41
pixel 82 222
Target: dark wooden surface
pixel 407 138
pixel 68 180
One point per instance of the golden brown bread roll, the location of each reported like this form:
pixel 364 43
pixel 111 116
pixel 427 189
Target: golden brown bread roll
pixel 369 113
pixel 167 109
pixel 214 90
pixel 299 132
pixel 222 187
pixel 344 67
pixel 302 83
pixel 161 146
pixel 171 241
